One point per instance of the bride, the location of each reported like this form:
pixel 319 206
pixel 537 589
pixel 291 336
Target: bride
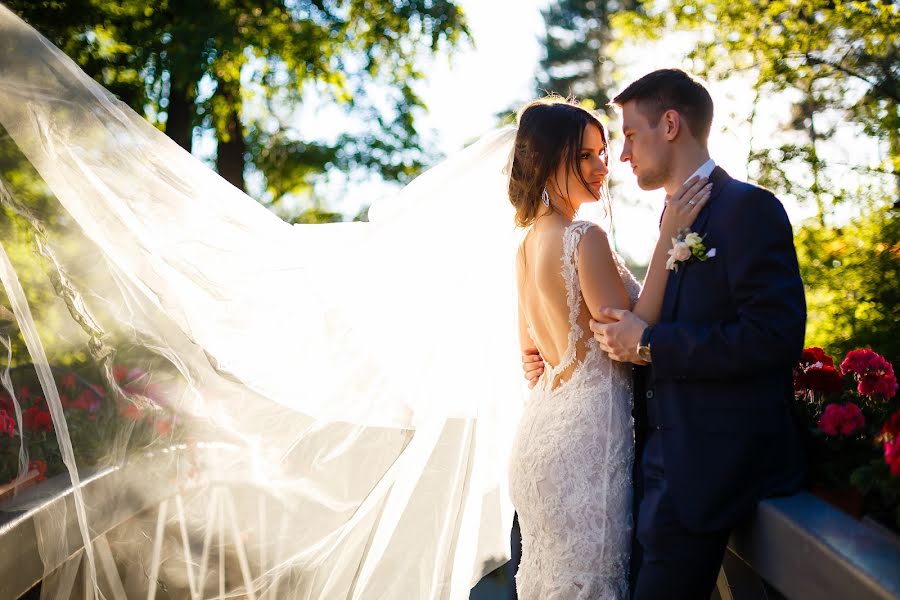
pixel 570 472
pixel 313 446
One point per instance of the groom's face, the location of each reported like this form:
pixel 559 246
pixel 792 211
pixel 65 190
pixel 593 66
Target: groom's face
pixel 645 148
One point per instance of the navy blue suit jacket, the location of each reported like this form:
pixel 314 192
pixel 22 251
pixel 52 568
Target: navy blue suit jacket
pixel 720 384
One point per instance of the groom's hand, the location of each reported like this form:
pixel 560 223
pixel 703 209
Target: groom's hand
pixel 533 365
pixel 619 334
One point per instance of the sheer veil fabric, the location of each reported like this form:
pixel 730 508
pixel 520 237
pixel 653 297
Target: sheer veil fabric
pixel 316 411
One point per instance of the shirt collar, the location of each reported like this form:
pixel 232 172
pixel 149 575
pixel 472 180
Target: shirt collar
pixel 705 169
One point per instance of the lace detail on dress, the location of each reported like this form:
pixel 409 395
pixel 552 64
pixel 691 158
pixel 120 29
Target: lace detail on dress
pixel 570 470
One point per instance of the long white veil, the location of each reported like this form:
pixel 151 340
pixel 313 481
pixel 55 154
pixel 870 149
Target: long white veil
pixel 237 407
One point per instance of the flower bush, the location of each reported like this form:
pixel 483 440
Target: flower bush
pixel 852 419
pixel 101 423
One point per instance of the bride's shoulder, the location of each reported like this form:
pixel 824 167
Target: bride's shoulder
pixel 590 244
pixel 586 232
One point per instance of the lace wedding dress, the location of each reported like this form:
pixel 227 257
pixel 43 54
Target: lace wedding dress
pixel 570 472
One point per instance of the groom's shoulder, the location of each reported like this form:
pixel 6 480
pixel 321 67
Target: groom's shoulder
pixel 741 200
pixel 738 191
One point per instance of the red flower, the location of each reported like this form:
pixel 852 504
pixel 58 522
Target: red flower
pixel 119 373
pixel 816 372
pixel 7 423
pixel 841 419
pixel 37 419
pixel 68 380
pixel 130 410
pixel 123 374
pixel 874 374
pixel 87 401
pixel 39 466
pixel 892 456
pixel 814 355
pixel 163 427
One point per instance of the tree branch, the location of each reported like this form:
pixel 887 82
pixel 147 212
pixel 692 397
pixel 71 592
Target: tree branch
pixel 876 85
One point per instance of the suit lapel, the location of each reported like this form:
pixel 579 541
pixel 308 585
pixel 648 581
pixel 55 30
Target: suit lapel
pixel 719 180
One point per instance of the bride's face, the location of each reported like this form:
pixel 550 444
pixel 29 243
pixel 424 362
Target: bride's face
pixel 590 168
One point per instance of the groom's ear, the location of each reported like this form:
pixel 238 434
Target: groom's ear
pixel 671 124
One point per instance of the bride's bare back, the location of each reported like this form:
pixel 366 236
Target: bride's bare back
pixel 543 304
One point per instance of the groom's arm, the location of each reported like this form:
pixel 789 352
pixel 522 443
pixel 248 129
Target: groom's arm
pixel 765 284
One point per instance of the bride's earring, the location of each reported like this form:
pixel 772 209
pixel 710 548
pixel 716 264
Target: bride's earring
pixel 545 197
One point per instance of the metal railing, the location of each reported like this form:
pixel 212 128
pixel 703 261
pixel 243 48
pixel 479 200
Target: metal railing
pixel 801 547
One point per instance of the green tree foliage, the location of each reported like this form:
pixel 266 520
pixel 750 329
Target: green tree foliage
pixel 241 68
pixel 839 62
pixel 833 55
pixel 577 60
pixel 852 276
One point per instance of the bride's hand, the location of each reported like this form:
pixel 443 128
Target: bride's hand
pixel 533 365
pixel 684 206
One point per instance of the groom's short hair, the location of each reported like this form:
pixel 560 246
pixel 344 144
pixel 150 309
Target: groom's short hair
pixel 671 89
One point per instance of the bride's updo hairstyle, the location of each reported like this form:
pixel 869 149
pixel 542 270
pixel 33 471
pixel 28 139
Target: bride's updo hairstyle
pixel 550 131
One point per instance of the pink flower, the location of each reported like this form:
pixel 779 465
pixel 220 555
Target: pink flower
pixel 841 419
pixel 892 456
pixel 874 374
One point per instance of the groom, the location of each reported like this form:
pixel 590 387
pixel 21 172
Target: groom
pixel 717 390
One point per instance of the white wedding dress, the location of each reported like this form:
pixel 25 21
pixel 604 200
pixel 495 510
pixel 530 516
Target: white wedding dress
pixel 570 472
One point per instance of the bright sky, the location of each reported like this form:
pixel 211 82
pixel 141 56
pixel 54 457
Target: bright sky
pixel 465 93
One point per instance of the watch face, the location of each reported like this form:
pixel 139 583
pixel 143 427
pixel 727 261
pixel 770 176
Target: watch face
pixel 644 353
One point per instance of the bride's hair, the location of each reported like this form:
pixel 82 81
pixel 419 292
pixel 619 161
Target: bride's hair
pixel 550 131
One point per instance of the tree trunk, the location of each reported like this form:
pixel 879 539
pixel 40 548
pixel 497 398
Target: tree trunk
pixel 232 147
pixel 179 125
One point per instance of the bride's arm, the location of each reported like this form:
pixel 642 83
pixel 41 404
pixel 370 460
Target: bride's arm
pixel 601 284
pixel 679 214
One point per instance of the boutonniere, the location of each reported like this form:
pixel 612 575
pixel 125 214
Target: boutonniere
pixel 686 247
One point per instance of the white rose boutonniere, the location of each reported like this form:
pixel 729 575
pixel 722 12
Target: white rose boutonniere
pixel 686 247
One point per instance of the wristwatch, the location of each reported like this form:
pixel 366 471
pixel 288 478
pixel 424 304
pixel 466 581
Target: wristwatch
pixel 643 349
